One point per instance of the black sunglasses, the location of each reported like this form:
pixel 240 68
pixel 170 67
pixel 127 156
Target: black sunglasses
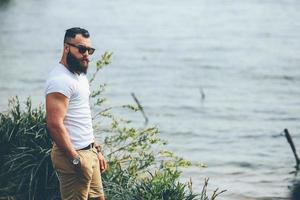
pixel 83 49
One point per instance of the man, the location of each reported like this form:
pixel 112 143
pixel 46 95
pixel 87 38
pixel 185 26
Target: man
pixel 75 154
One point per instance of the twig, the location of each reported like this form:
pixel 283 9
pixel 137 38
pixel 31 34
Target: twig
pixel 290 141
pixel 134 142
pixel 140 108
pixel 202 94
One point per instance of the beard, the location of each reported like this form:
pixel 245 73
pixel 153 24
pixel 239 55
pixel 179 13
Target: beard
pixel 76 65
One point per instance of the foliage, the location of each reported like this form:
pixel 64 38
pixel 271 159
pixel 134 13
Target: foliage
pixel 163 185
pixel 139 167
pixel 25 165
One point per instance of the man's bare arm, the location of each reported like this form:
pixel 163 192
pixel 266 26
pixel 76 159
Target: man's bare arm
pixel 56 108
pixel 102 161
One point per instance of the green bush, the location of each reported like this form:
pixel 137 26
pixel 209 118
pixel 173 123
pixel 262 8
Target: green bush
pixel 25 166
pixel 139 167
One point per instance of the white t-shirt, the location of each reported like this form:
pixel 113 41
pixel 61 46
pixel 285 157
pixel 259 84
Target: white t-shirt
pixel 78 119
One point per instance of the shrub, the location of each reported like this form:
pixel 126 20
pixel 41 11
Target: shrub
pixel 25 166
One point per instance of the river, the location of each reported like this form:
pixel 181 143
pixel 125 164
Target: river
pixel 220 78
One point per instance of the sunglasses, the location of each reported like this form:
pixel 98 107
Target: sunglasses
pixel 83 49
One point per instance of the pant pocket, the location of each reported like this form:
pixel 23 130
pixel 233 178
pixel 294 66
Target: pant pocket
pixel 61 163
pixel 86 163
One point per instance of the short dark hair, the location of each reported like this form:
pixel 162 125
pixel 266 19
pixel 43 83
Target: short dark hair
pixel 72 32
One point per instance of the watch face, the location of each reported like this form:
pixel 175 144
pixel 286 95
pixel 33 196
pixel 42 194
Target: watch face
pixel 76 161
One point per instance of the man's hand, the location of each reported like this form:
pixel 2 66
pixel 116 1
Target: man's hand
pixel 102 162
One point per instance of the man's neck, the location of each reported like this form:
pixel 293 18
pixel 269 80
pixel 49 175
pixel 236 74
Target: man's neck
pixel 67 67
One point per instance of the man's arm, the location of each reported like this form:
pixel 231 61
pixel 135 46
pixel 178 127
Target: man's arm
pixel 56 108
pixel 102 161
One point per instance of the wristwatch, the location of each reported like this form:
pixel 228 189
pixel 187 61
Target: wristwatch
pixel 76 160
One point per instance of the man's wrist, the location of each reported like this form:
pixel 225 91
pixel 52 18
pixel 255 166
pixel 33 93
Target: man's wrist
pixel 74 157
pixel 98 148
pixel 76 160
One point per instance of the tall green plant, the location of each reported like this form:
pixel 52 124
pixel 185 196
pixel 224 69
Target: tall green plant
pixel 25 147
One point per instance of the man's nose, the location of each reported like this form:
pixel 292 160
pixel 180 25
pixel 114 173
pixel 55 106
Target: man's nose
pixel 86 53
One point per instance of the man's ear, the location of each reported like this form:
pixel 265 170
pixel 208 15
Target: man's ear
pixel 66 48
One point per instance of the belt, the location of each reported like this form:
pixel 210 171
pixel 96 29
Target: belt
pixel 90 146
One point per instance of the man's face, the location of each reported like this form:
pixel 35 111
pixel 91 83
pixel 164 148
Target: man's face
pixel 78 61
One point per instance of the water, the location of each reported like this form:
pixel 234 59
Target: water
pixel 244 56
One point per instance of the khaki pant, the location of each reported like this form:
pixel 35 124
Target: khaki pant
pixel 78 182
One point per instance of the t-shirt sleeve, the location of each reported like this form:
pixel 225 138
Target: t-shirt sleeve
pixel 59 85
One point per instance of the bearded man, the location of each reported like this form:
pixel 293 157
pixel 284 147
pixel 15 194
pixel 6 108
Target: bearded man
pixel 75 155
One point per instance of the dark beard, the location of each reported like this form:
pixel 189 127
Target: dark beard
pixel 75 65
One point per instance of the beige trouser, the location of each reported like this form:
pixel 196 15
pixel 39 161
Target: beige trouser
pixel 78 182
